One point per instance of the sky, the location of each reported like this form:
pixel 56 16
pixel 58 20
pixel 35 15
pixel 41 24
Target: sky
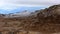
pixel 12 6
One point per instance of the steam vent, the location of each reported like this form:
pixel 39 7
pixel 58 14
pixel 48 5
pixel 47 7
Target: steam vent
pixel 45 21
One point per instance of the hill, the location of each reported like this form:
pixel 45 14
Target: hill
pixel 45 21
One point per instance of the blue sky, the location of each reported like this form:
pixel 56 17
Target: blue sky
pixel 12 6
pixel 20 9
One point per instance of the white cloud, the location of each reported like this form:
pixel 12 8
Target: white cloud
pixel 34 2
pixel 13 4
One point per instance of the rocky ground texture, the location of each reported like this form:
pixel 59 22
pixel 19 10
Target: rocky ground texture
pixel 46 21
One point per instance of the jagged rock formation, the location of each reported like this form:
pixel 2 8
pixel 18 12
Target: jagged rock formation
pixel 45 21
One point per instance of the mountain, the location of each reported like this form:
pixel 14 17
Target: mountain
pixel 19 9
pixel 44 21
pixel 49 18
pixel 51 11
pixel 25 13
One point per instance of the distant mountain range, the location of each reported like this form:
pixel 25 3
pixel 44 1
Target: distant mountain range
pixel 17 14
pixel 20 9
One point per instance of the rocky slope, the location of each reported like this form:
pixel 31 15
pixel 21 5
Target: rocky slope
pixel 47 20
pixel 44 21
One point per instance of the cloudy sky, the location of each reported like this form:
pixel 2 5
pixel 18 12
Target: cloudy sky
pixel 13 4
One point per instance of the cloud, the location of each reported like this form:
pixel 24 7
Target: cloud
pixel 34 2
pixel 13 4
